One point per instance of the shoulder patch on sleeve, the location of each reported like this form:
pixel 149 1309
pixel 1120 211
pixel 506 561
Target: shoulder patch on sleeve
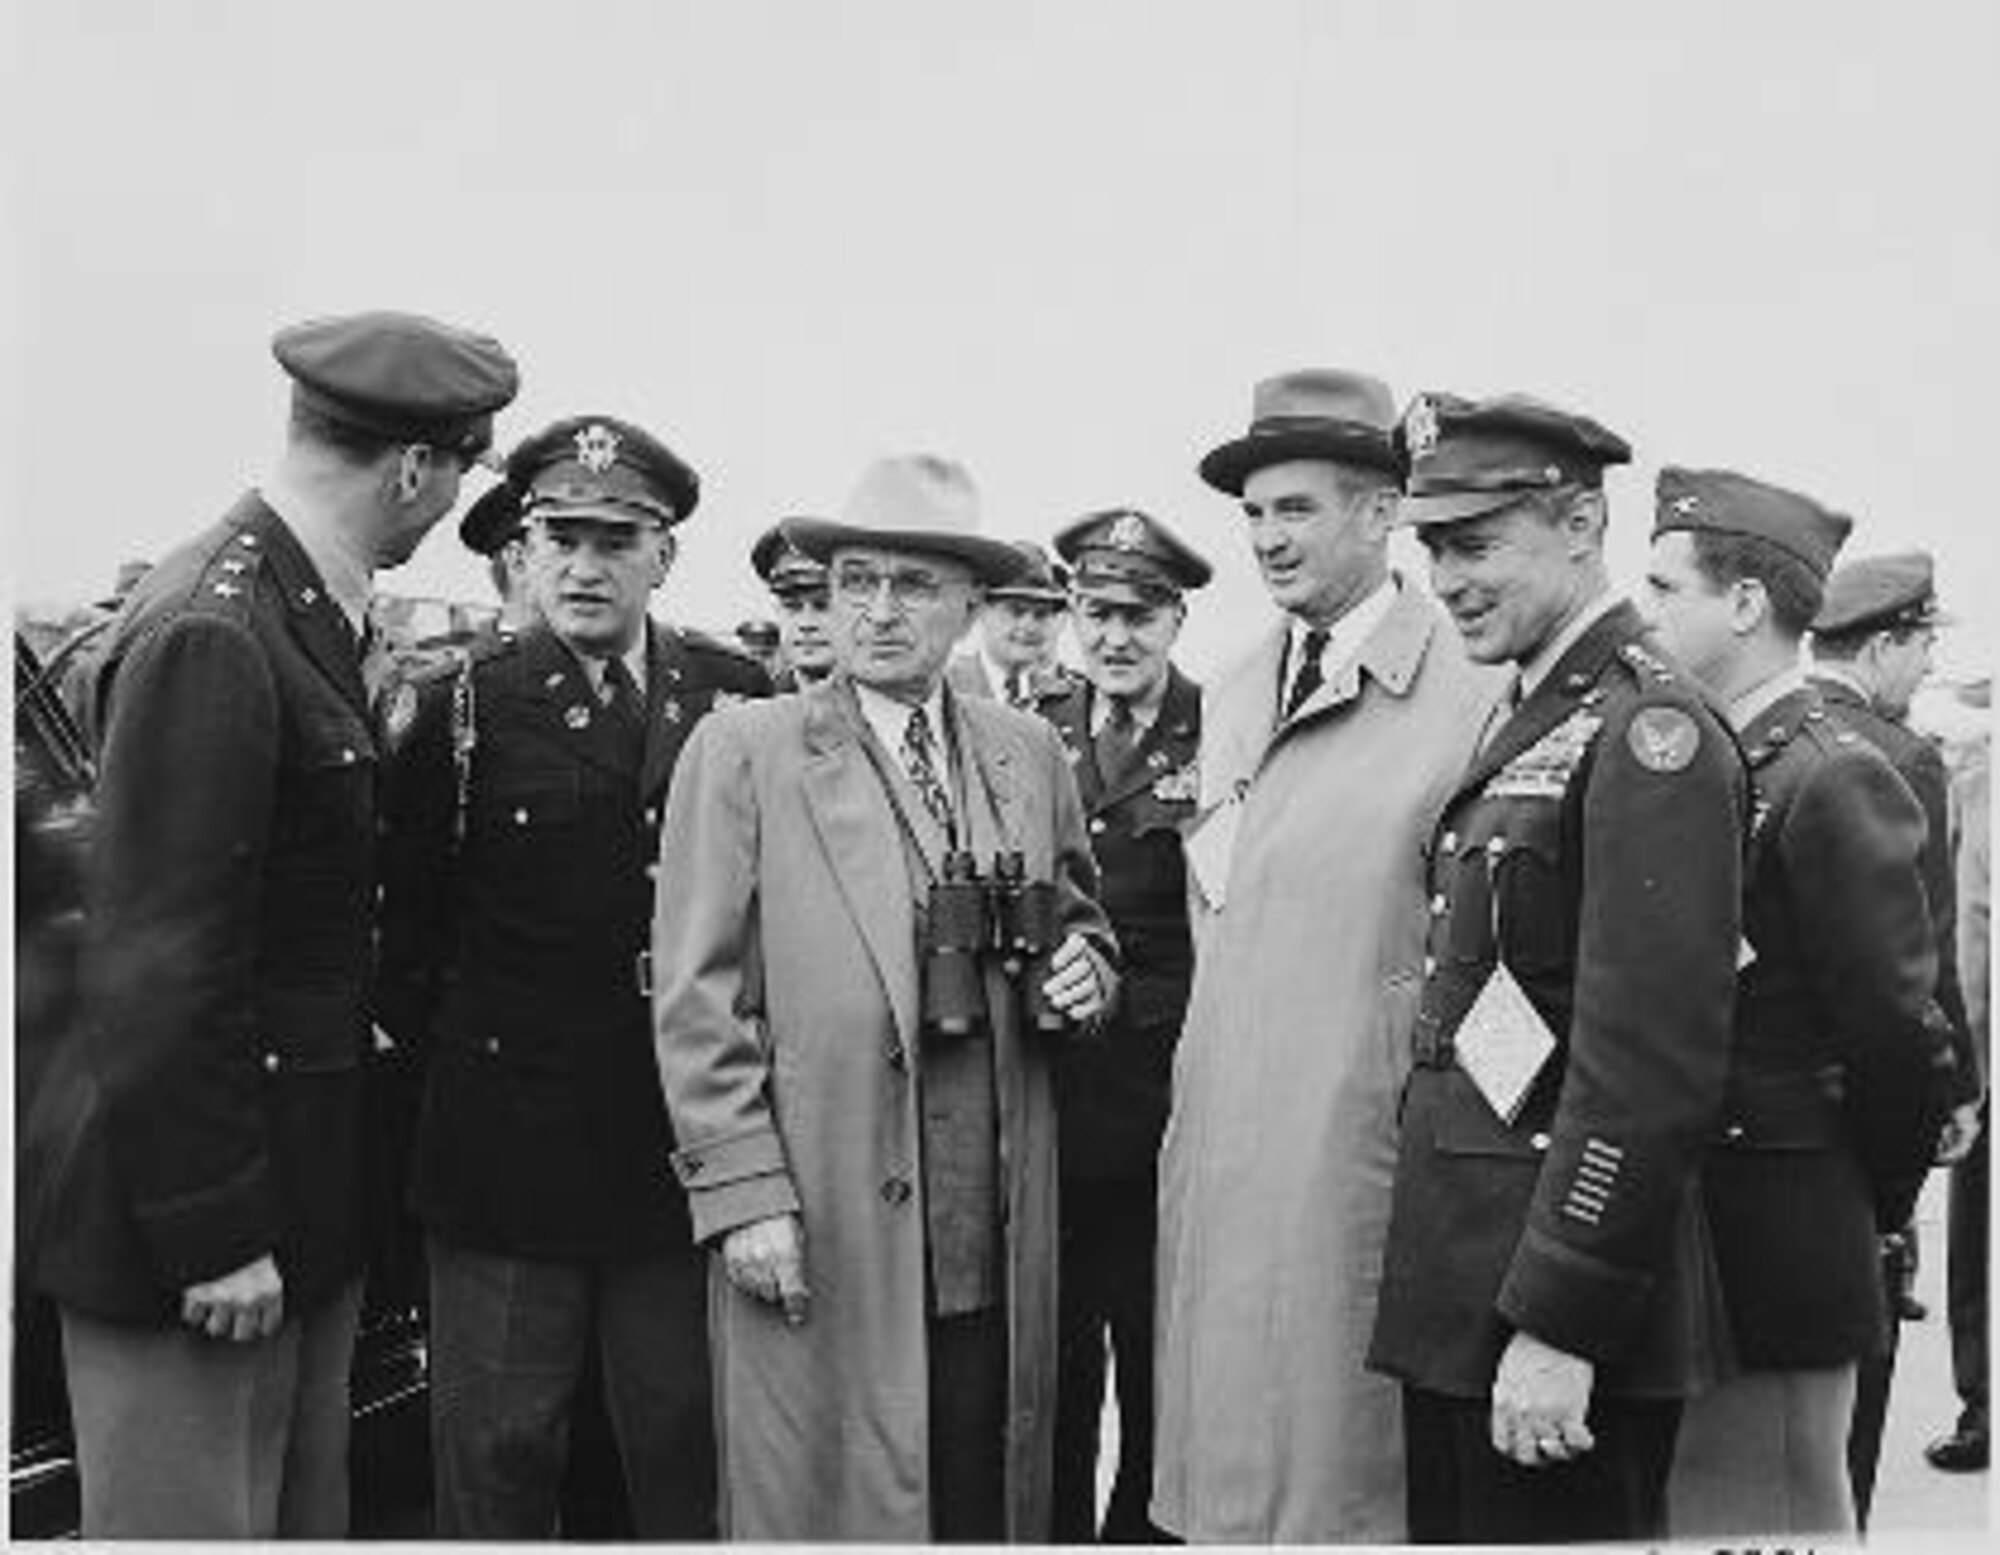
pixel 1663 739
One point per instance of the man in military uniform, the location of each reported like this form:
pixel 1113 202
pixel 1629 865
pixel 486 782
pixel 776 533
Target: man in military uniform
pixel 798 588
pixel 1545 1290
pixel 194 1162
pixel 492 528
pixel 523 805
pixel 1017 633
pixel 1131 728
pixel 1834 1094
pixel 1871 649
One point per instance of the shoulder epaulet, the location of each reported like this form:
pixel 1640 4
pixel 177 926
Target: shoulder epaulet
pixel 227 577
pixel 1648 666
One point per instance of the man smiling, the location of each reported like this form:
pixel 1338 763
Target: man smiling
pixel 1544 1292
pixel 1324 756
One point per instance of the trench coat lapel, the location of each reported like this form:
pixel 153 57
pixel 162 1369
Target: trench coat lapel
pixel 856 827
pixel 1238 723
pixel 1390 656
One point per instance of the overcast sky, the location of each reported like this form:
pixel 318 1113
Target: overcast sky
pixel 1058 241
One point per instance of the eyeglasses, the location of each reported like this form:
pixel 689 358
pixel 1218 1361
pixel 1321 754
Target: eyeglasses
pixel 860 585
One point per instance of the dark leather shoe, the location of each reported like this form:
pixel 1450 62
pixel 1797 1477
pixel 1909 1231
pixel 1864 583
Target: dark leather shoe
pixel 1962 1452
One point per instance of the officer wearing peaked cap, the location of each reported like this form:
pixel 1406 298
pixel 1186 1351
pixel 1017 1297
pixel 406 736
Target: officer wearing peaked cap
pixel 1308 896
pixel 523 810
pixel 493 528
pixel 1017 633
pixel 1131 727
pixel 193 1164
pixel 1545 1288
pixel 1871 649
pixel 1835 1090
pixel 799 589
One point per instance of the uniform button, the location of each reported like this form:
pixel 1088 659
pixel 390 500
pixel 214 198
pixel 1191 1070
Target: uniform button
pixel 1096 826
pixel 1438 905
pixel 272 1062
pixel 1538 1141
pixel 652 871
pixel 896 1191
pixel 347 755
pixel 1430 966
pixel 691 1165
pixel 521 817
pixel 493 1045
pixel 652 815
pixel 894 1054
pixel 1449 842
pixel 1734 1131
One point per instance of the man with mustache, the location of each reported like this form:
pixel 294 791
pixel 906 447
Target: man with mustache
pixel 1324 755
pixel 523 803
pixel 1016 632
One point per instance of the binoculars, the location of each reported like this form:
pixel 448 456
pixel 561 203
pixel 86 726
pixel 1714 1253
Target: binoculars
pixel 973 922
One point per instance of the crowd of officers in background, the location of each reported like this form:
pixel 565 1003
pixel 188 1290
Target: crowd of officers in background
pixel 1464 1076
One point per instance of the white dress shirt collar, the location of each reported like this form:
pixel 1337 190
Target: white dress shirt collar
pixel 1743 710
pixel 1535 668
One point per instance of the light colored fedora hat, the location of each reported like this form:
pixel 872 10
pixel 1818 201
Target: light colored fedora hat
pixel 912 502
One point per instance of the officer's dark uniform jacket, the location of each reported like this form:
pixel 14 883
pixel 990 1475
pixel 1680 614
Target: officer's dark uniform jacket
pixel 1836 1090
pixel 1920 764
pixel 514 957
pixel 209 1111
pixel 1112 1096
pixel 1600 828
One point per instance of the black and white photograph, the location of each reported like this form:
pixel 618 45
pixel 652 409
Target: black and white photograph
pixel 1129 771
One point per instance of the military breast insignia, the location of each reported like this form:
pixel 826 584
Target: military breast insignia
pixel 400 711
pixel 1544 769
pixel 1663 739
pixel 597 448
pixel 1179 787
pixel 577 716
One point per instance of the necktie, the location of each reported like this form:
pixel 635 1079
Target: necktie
pixel 1310 676
pixel 1017 689
pixel 621 697
pixel 1117 742
pixel 919 761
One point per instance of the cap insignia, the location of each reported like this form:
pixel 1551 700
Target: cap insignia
pixel 597 448
pixel 1686 505
pixel 1128 533
pixel 1420 428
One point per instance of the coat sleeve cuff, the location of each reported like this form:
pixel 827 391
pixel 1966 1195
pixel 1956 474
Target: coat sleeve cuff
pixel 1573 1302
pixel 202 1235
pixel 735 1181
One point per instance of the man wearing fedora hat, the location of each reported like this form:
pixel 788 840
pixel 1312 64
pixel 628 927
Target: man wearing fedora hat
pixel 1016 631
pixel 862 1101
pixel 1841 1074
pixel 1324 755
pixel 1871 649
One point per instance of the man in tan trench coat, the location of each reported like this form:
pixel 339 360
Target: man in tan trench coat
pixel 1324 758
pixel 880 1195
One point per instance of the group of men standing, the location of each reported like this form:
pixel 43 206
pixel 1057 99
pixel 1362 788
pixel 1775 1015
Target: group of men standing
pixel 1458 1068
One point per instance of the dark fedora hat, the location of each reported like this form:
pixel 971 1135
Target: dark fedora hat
pixel 1319 413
